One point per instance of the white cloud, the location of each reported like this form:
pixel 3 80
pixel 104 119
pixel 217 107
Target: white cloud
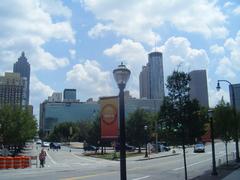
pixel 236 11
pixel 72 53
pixel 55 8
pixel 38 93
pixel 139 20
pixel 27 27
pixel 225 68
pixel 178 53
pixel 134 55
pixel 229 65
pixel 90 79
pixel 176 50
pixel 217 50
pixel 98 30
pixel 228 4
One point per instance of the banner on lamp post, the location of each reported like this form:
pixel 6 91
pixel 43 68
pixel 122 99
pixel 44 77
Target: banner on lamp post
pixel 109 117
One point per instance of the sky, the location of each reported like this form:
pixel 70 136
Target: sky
pixel 78 43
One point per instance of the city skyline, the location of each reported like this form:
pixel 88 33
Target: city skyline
pixel 77 44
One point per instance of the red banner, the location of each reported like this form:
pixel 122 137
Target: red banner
pixel 109 117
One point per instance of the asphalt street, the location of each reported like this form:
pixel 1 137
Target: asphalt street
pixel 66 165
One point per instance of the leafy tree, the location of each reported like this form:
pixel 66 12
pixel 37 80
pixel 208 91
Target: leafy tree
pixel 94 132
pixel 17 126
pixel 181 116
pixel 135 128
pixel 62 132
pixel 224 123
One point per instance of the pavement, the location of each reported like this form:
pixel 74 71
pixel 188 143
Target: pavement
pixel 69 165
pixel 235 175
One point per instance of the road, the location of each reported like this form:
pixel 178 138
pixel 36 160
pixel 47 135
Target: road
pixel 66 165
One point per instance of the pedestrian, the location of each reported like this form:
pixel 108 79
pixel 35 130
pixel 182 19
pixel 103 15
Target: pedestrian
pixel 42 157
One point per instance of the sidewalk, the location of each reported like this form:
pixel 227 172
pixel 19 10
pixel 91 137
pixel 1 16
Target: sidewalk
pixel 235 175
pixel 156 155
pixel 230 172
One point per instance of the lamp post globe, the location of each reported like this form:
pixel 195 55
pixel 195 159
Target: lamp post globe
pixel 121 75
pixel 218 86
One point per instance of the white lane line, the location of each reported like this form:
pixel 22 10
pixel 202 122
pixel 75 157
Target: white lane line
pixel 141 178
pixel 51 159
pixel 199 162
pixel 91 160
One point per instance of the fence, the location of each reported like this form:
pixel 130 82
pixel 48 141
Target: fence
pixel 16 162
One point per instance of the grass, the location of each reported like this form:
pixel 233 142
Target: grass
pixel 112 156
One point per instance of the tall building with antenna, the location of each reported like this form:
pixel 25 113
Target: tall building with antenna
pixel 23 68
pixel 151 78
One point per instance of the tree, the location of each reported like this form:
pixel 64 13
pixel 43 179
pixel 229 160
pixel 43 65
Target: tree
pixel 17 126
pixel 135 128
pixel 180 115
pixel 62 132
pixel 224 123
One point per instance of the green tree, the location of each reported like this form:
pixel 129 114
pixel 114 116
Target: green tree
pixel 135 128
pixel 17 126
pixel 62 132
pixel 224 123
pixel 181 116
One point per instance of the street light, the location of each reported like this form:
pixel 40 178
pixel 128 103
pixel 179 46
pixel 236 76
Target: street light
pixel 145 128
pixel 121 76
pixel 214 170
pixel 235 115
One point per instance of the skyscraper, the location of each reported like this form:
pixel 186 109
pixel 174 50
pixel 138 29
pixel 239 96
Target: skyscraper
pixel 23 68
pixel 70 94
pixel 236 88
pixel 151 79
pixel 12 89
pixel 198 87
pixel 143 83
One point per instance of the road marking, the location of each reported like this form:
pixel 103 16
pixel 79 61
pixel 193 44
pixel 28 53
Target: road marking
pixel 89 176
pixel 51 159
pixel 83 158
pixel 141 178
pixel 176 169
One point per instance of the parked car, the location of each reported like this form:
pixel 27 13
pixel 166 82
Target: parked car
pixel 162 146
pixel 45 144
pixel 90 148
pixel 54 145
pixel 199 147
pixel 128 147
pixel 39 141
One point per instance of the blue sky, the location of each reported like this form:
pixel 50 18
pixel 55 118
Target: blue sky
pixel 77 43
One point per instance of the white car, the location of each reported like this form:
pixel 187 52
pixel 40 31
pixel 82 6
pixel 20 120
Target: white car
pixel 39 141
pixel 45 144
pixel 199 148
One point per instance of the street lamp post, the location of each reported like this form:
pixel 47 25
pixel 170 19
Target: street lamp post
pixel 235 115
pixel 214 170
pixel 146 153
pixel 121 76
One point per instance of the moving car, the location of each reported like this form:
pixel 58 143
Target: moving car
pixel 39 141
pixel 128 147
pixel 90 148
pixel 162 146
pixel 199 147
pixel 45 144
pixel 54 145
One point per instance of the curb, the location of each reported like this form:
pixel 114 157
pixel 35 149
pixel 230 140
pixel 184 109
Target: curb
pixel 143 159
